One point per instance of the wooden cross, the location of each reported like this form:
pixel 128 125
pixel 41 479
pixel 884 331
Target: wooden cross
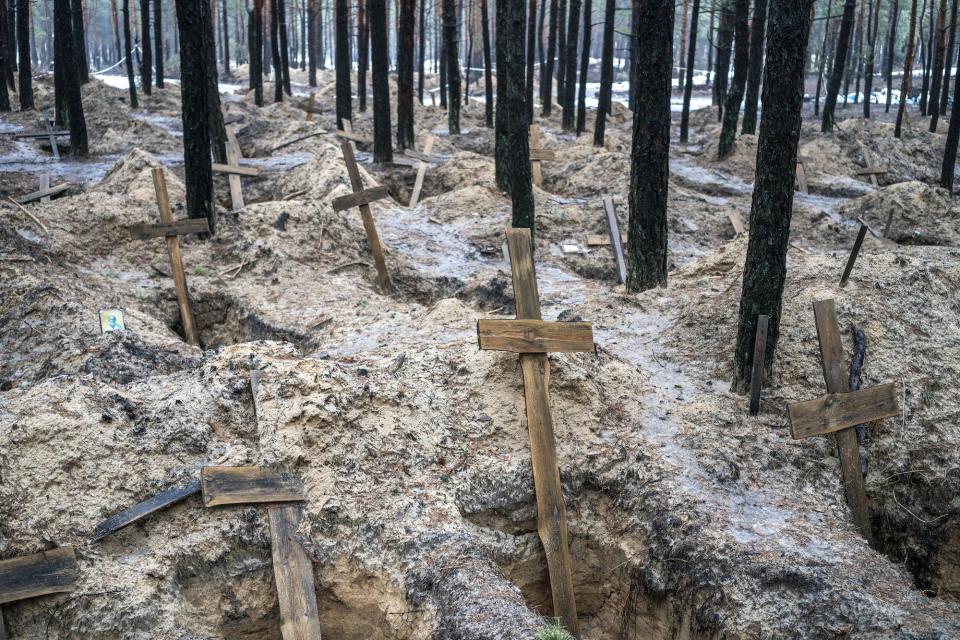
pixel 310 102
pixel 347 133
pixel 362 198
pixel 40 574
pixel 802 175
pixel 537 155
pixel 51 135
pixel 43 195
pixel 234 170
pixel 421 170
pixel 170 229
pixel 870 169
pixel 840 410
pixel 532 338
pixel 613 226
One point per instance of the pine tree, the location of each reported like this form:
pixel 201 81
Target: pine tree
pixel 312 42
pixel 256 51
pixel 839 63
pixel 67 59
pixel 606 73
pixel 584 67
pixel 570 73
pixel 451 42
pixel 377 16
pixel 907 70
pixel 893 19
pixel 936 76
pixel 724 51
pixel 23 55
pixel 275 50
pixel 531 46
pixel 487 73
pixel 546 81
pixel 79 41
pixel 342 61
pixel 755 71
pixel 128 54
pixel 951 42
pixel 146 50
pixel 873 28
pixel 158 39
pixel 691 58
pixel 4 52
pixel 741 61
pixel 406 24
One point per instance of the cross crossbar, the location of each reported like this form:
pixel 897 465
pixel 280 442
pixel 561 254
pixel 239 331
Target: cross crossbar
pixel 237 170
pixel 43 193
pixel 368 225
pixel 364 196
pixel 183 227
pixel 534 336
pixel 836 411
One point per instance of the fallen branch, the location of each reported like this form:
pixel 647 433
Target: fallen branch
pixel 29 215
pixel 346 265
pixel 293 195
pixel 296 140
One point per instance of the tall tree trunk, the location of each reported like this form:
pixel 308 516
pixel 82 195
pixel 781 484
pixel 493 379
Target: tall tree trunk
pixel 570 75
pixel 342 61
pixel 561 50
pixel 195 29
pixel 711 76
pixel 827 46
pixel 321 39
pixel 907 70
pixel 312 42
pixel 146 57
pixel 546 84
pixel 68 59
pixel 128 54
pixel 363 55
pixel 925 58
pixel 724 51
pixel 11 56
pixel 682 53
pixel 256 51
pixel 839 62
pixel 487 72
pixel 953 135
pixel 741 61
pixel 218 132
pixel 649 166
pixel 691 58
pixel 873 28
pixel 755 73
pixel 531 52
pixel 158 39
pixel 377 19
pixel 893 19
pixel 765 266
pixel 584 67
pixel 275 51
pixel 226 41
pixel 405 74
pixel 453 65
pixel 79 43
pixel 422 50
pixel 23 45
pixel 512 150
pixel 606 71
pixel 948 57
pixel 936 76
pixel 4 53
pixel 283 46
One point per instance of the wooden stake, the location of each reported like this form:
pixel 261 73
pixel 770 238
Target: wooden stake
pixel 143 509
pixel 51 135
pixel 802 176
pixel 853 254
pixel 310 101
pixel 613 226
pixel 236 191
pixel 43 193
pixel 535 146
pixel 736 220
pixel 421 173
pixel 44 186
pixel 293 572
pixel 759 353
pixel 357 183
pixel 176 262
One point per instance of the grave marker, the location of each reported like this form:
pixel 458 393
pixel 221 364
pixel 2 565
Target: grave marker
pixel 310 102
pixel 840 410
pixel 613 226
pixel 293 573
pixel 362 198
pixel 347 133
pixel 529 336
pixel 537 155
pixel 51 135
pixel 421 171
pixel 241 485
pixel 170 229
pixel 143 509
pixel 597 240
pixel 234 155
pixel 43 195
pixel 40 574
pixel 759 353
pixel 802 175
pixel 736 220
pixel 853 254
pixel 870 169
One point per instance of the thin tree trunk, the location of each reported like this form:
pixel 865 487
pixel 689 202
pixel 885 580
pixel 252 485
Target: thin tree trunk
pixel 69 60
pixel 938 65
pixel 839 62
pixel 256 51
pixel 226 40
pixel 741 60
pixel 452 65
pixel 363 55
pixel 765 266
pixel 128 54
pixel 487 72
pixel 891 45
pixel 405 74
pixel 422 46
pixel 873 28
pixel 531 52
pixel 691 57
pixel 146 57
pixel 570 75
pixel 724 51
pixel 342 61
pixel 512 150
pixel 23 45
pixel 546 84
pixel 4 53
pixel 907 70
pixel 312 42
pixel 158 39
pixel 649 166
pixel 380 68
pixel 827 46
pixel 11 69
pixel 953 135
pixel 755 73
pixel 925 58
pixel 79 50
pixel 562 50
pixel 275 52
pixel 584 67
pixel 682 53
pixel 283 46
pixel 947 68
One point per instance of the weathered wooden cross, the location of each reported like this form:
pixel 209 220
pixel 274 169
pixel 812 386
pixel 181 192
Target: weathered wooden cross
pixel 533 338
pixel 362 198
pixel 537 155
pixel 170 229
pixel 802 175
pixel 234 170
pixel 347 133
pixel 40 574
pixel 424 159
pixel 310 102
pixel 614 239
pixel 43 195
pixel 841 410
pixel 870 169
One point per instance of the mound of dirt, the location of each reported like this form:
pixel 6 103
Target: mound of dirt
pixel 917 213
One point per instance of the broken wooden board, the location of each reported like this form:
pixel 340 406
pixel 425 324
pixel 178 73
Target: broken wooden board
pixel 40 134
pixel 853 254
pixel 534 336
pixel 598 240
pixel 143 509
pixel 421 173
pixel 236 189
pixel 736 220
pixel 244 485
pixel 50 135
pixel 43 193
pixel 836 411
pixel 358 198
pixel 293 573
pixel 169 229
pixel 869 171
pixel 347 133
pixel 249 172
pixel 802 176
pixel 537 170
pixel 423 156
pixel 613 227
pixel 867 160
pixel 53 571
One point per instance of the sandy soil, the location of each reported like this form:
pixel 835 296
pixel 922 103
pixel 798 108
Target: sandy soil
pixel 688 518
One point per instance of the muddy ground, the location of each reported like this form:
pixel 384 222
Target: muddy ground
pixel 688 518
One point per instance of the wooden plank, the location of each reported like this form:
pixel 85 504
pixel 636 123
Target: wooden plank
pixel 597 240
pixel 182 227
pixel 243 485
pixel 737 221
pixel 421 173
pixel 534 336
pixel 835 375
pixel 176 261
pixel 867 160
pixel 423 156
pixel 143 509
pixel 347 133
pixel 235 170
pixel 871 171
pixel 371 229
pixel 236 189
pixel 40 134
pixel 357 198
pixel 535 164
pixel 836 411
pixel 45 185
pixel 53 571
pixel 293 572
pixel 232 138
pixel 53 139
pixel 542 154
pixel 759 353
pixel 613 226
pixel 551 509
pixel 802 176
pixel 43 193
pixel 310 102
pixel 853 254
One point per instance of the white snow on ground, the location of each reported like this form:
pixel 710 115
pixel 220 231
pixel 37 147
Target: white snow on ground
pixel 120 82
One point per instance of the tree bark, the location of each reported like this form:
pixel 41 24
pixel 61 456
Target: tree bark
pixel 531 52
pixel 23 45
pixel 945 86
pixel 584 67
pixel 225 39
pixel 158 40
pixel 487 72
pixel 953 135
pixel 422 52
pixel 512 150
pixel 146 50
pixel 724 51
pixel 79 42
pixel 405 52
pixel 312 42
pixel 451 48
pixel 691 57
pixel 546 84
pixel 649 166
pixel 192 24
pixel 377 19
pixel 4 54
pixel 765 267
pixel 839 62
pixel 342 61
pixel 570 74
pixel 283 46
pixel 128 54
pixel 873 28
pixel 11 55
pixel 893 19
pixel 67 58
pixel 741 61
pixel 907 70
pixel 606 71
pixel 824 51
pixel 363 55
pixel 256 51
pixel 938 65
pixel 755 72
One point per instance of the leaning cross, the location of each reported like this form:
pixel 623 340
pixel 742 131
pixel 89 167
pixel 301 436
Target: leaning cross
pixel 424 158
pixel 802 175
pixel 870 169
pixel 533 338
pixel 40 574
pixel 347 133
pixel 51 134
pixel 537 155
pixel 170 229
pixel 362 198
pixel 840 410
pixel 43 195
pixel 234 170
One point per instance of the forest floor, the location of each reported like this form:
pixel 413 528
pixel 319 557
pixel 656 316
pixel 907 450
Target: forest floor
pixel 688 518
